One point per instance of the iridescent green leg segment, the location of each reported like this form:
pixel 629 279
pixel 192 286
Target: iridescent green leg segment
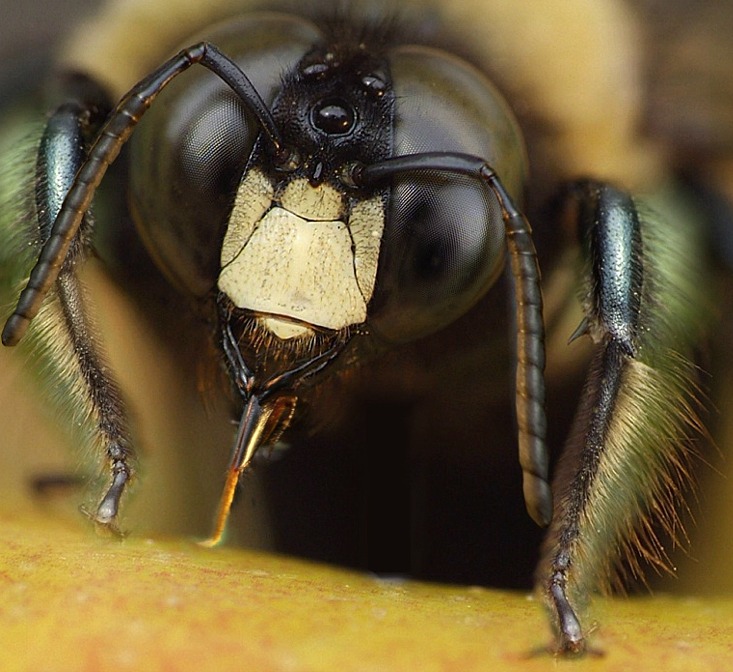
pixel 63 339
pixel 625 456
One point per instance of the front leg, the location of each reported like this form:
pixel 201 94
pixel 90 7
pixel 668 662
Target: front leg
pixel 65 337
pixel 625 459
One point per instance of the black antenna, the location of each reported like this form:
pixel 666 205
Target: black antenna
pixel 104 151
pixel 530 381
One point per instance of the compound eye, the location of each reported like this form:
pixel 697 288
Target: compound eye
pixel 442 249
pixel 444 243
pixel 190 150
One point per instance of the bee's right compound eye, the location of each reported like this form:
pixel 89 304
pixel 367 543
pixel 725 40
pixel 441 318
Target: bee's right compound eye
pixel 444 241
pixel 192 147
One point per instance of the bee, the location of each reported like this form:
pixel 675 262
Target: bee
pixel 314 190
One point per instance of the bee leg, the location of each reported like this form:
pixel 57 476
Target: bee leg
pixel 102 397
pixel 624 458
pixel 61 152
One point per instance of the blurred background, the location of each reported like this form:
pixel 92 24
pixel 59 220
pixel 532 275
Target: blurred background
pixel 30 29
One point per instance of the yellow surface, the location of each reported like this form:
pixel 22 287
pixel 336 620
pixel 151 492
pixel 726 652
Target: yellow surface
pixel 74 601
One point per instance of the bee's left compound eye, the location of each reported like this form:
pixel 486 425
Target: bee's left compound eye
pixel 444 240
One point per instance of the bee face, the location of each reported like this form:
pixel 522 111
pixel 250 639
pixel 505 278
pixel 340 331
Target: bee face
pixel 397 263
pixel 330 186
